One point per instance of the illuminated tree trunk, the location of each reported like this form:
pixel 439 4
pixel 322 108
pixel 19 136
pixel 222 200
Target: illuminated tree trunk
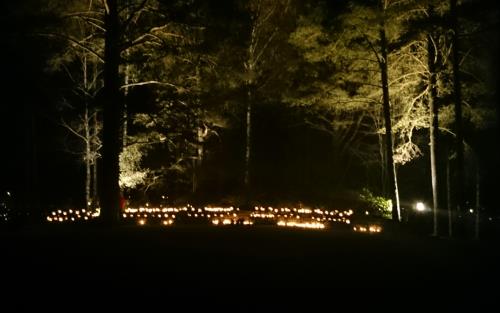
pixel 96 148
pixel 434 127
pixel 88 157
pixel 87 137
pixel 125 108
pixel 198 159
pixel 383 171
pixel 458 114
pixel 250 71
pixel 248 142
pixel 391 169
pixel 112 116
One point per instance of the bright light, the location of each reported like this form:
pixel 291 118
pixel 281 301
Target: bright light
pixel 420 207
pixel 142 222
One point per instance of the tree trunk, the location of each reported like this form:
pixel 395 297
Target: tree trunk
pixel 125 104
pixel 391 169
pixel 87 135
pixel 448 198
pixel 112 116
pixel 88 158
pixel 434 127
pixel 458 115
pixel 396 193
pixel 198 159
pixel 95 149
pixel 478 202
pixel 248 138
pixel 383 171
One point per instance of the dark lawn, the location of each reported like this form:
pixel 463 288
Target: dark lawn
pixel 261 256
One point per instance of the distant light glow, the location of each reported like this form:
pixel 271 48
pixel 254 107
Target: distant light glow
pixel 368 228
pixel 420 207
pixel 283 216
pixel 312 225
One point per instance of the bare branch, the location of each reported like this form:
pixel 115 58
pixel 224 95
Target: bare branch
pixel 133 14
pixel 75 41
pixel 73 131
pixel 150 82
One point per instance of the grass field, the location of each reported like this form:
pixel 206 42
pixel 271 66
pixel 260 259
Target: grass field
pixel 227 257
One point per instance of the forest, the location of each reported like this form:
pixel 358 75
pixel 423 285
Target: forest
pixel 252 102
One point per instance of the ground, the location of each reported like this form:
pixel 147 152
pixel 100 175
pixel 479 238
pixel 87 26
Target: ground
pixel 236 256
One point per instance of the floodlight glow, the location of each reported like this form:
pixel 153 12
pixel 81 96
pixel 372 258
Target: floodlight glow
pixel 420 207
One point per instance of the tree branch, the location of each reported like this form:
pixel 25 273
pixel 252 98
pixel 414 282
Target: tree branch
pixel 75 41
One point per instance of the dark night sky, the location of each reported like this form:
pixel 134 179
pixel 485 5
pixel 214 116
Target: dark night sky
pixel 25 88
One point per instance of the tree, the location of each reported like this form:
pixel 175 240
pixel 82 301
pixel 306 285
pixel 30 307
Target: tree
pixel 457 93
pixel 383 60
pixel 432 59
pixel 147 29
pixel 177 115
pixel 360 52
pixel 266 23
pixel 112 104
pixel 82 68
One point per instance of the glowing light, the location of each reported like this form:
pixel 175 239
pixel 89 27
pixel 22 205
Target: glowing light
pixel 369 229
pixel 420 207
pixel 142 222
pixel 311 225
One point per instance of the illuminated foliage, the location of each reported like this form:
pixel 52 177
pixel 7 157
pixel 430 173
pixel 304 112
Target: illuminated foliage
pixel 377 205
